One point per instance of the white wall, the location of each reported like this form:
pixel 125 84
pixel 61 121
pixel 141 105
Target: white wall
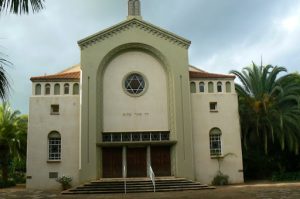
pixel 41 123
pixel 122 112
pixel 227 120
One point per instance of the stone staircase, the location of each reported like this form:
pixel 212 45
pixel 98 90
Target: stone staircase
pixel 111 186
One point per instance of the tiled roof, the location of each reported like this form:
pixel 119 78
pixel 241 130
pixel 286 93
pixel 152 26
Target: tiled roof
pixel 75 75
pixel 60 76
pixel 206 75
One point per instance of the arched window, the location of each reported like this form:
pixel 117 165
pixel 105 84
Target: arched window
pixel 215 142
pixel 38 89
pixel 54 146
pixel 76 89
pixel 47 89
pixel 228 87
pixel 219 87
pixel 202 87
pixel 66 88
pixel 56 89
pixel 193 87
pixel 210 87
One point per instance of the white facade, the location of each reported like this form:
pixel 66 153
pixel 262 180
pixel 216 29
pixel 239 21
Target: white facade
pixel 88 122
pixel 133 114
pixel 41 124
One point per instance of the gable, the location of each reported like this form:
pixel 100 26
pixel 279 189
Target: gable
pixel 130 24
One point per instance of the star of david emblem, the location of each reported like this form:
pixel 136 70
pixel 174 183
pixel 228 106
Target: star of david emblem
pixel 135 84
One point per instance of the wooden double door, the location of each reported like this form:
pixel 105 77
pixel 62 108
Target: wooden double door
pixel 112 162
pixel 161 160
pixel 136 160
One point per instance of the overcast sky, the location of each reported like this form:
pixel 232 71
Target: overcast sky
pixel 225 34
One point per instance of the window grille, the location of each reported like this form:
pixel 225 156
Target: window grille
pixel 215 142
pixel 54 146
pixel 136 137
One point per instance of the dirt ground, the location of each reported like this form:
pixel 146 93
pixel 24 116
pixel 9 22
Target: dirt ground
pixel 260 190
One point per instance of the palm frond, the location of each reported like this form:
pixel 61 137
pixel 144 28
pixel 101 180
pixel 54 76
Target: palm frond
pixel 21 6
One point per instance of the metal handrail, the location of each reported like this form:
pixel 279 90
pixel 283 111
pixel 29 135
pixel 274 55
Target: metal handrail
pixel 152 177
pixel 124 178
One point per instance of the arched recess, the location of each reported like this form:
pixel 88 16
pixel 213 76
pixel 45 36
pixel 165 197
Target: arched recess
pixel 128 47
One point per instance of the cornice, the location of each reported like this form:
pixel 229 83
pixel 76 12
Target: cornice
pixel 134 23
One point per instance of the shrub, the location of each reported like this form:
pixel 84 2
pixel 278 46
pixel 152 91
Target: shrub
pixel 287 176
pixel 9 183
pixel 65 181
pixel 19 177
pixel 220 179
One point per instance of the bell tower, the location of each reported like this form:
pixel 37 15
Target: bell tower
pixel 134 9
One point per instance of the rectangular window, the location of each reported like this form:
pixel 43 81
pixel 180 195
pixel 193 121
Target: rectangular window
pixel 53 175
pixel 54 109
pixel 213 106
pixel 54 148
pixel 215 145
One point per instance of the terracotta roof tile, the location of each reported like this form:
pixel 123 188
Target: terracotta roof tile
pixel 60 76
pixel 209 75
pixel 76 76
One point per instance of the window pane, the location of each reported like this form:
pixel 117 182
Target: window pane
pixel 66 89
pixel 54 146
pixel 210 87
pixel 56 89
pixel 193 87
pixel 219 87
pixel 213 106
pixel 47 89
pixel 215 142
pixel 135 84
pixel 38 89
pixel 228 87
pixel 201 87
pixel 76 89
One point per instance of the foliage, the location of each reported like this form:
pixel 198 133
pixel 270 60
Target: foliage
pixel 220 179
pixel 4 83
pixel 259 165
pixel 21 6
pixel 65 181
pixel 8 183
pixel 289 176
pixel 269 106
pixel 13 130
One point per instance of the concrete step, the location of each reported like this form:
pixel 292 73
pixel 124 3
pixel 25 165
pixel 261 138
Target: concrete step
pixel 136 186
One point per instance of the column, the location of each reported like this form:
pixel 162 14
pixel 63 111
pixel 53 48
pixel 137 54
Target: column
pixel 148 159
pixel 124 162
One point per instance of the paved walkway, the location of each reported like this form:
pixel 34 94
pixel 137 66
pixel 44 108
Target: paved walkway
pixel 247 191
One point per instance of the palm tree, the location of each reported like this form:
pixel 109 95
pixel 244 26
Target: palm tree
pixel 21 6
pixel 13 128
pixel 15 7
pixel 269 106
pixel 4 84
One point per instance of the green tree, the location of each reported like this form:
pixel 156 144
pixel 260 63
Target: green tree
pixel 15 7
pixel 269 107
pixel 13 130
